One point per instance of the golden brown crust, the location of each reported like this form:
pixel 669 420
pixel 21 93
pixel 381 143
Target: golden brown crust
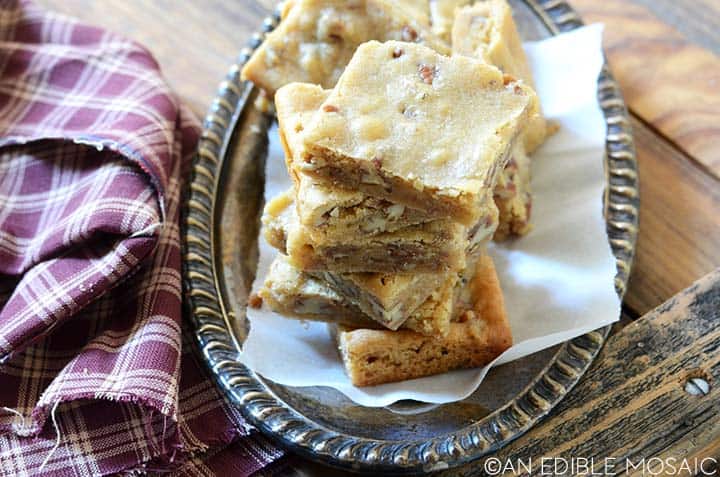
pixel 489 304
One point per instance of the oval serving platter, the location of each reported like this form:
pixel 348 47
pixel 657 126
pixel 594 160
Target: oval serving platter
pixel 221 225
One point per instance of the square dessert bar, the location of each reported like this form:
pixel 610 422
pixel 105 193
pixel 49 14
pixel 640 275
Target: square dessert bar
pixel 331 213
pixel 418 128
pixel 430 247
pixel 387 298
pixel 486 30
pixel 316 38
pixel 297 294
pixel 475 338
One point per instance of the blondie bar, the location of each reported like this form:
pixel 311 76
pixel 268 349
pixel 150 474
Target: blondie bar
pixel 430 247
pixel 387 298
pixel 297 294
pixel 417 128
pixel 316 38
pixel 475 338
pixel 486 30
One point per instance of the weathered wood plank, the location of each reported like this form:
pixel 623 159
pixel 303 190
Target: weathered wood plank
pixel 669 82
pixel 632 403
pixel 679 238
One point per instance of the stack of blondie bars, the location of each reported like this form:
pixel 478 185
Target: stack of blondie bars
pixel 405 162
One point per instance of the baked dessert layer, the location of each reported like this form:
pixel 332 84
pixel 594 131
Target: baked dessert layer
pixel 316 38
pixel 417 128
pixel 297 294
pixel 429 247
pixel 391 298
pixel 387 298
pixel 373 357
pixel 332 213
pixel 486 30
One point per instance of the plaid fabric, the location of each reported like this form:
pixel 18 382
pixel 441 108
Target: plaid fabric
pixel 97 373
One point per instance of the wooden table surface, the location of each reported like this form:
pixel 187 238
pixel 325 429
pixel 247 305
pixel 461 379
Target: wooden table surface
pixel 665 55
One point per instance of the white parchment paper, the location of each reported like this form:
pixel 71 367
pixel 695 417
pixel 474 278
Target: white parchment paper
pixel 558 280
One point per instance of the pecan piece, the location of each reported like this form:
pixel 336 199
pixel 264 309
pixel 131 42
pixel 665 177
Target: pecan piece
pixel 409 34
pixel 427 73
pixel 255 301
pixel 467 315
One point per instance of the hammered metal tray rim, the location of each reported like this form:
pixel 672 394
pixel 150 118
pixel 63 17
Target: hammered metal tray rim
pixel 218 343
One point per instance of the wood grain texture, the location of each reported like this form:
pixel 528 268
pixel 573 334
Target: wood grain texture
pixel 679 237
pixel 699 23
pixel 194 41
pixel 637 384
pixel 669 82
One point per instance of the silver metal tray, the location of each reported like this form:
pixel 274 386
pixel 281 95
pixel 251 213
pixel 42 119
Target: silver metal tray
pixel 221 224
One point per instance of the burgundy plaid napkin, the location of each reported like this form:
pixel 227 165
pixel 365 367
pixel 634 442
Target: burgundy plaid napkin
pixel 97 373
